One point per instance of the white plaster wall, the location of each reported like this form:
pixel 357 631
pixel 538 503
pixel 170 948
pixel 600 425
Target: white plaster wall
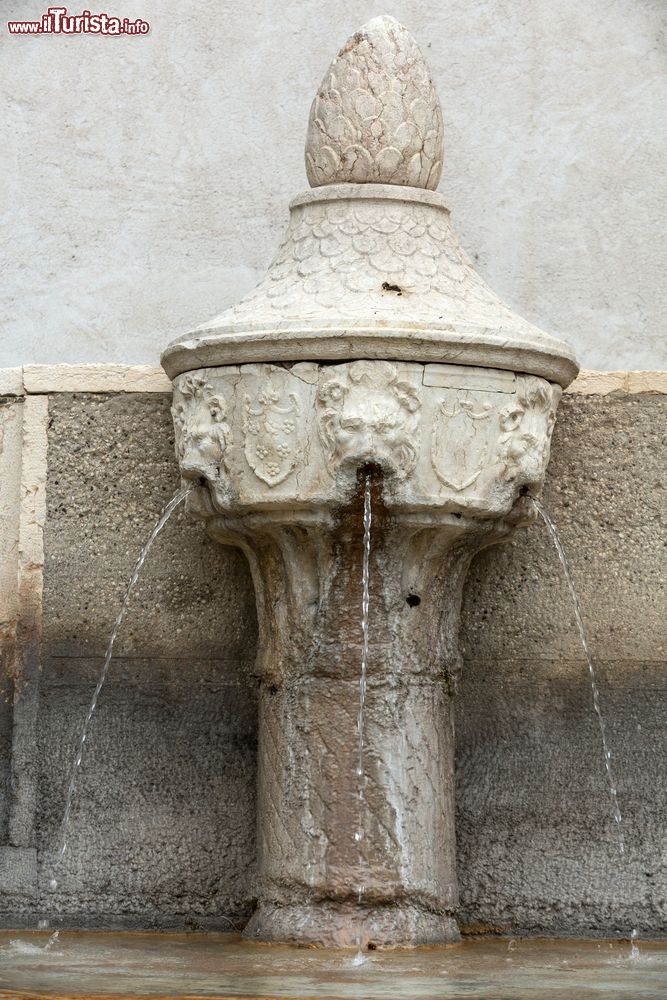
pixel 145 180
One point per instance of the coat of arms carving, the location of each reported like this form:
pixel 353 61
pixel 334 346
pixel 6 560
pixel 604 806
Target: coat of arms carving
pixel 270 422
pixel 460 441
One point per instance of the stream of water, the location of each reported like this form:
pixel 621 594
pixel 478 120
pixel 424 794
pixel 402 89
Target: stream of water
pixel 583 636
pixel 165 514
pixel 361 771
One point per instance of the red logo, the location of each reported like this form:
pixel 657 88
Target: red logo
pixel 56 21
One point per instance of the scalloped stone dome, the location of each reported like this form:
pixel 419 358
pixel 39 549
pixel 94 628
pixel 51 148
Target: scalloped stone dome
pixel 366 269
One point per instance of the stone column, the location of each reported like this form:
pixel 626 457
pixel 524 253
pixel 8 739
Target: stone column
pixel 319 884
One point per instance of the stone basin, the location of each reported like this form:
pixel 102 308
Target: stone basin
pixel 224 967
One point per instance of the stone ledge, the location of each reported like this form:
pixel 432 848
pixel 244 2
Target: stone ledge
pixel 94 378
pixel 594 383
pixel 109 378
pixel 18 870
pixel 11 382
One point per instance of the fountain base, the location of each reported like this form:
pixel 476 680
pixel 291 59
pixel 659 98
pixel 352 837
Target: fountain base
pixel 340 925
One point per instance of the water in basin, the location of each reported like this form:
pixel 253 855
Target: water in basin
pixel 222 965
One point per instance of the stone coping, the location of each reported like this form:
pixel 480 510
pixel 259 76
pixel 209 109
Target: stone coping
pixel 47 379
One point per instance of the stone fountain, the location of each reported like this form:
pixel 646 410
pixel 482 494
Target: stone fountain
pixel 371 346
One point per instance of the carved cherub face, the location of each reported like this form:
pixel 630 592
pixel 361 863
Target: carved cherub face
pixel 202 433
pixel 369 416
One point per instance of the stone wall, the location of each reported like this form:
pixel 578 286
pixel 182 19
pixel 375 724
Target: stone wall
pixel 163 828
pixel 537 845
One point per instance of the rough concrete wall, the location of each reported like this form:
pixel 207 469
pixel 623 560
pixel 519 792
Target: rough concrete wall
pixel 163 825
pixel 163 830
pixel 537 849
pixel 147 178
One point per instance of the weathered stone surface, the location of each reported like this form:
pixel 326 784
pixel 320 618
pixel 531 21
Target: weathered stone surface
pixel 376 117
pixel 11 422
pixel 606 492
pixel 605 383
pixel 92 378
pixel 356 844
pixel 370 267
pixel 164 818
pixel 18 871
pixel 29 589
pixel 537 848
pixel 102 452
pixel 11 382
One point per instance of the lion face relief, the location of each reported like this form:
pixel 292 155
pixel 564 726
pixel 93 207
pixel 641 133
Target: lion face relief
pixel 368 414
pixel 202 432
pixel 526 427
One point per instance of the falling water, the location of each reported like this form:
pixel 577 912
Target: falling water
pixel 165 514
pixel 553 531
pixel 361 773
pixel 583 636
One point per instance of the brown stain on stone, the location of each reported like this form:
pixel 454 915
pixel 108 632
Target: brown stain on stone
pixel 481 929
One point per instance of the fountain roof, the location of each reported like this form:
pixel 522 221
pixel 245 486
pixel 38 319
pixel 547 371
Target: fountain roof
pixel 370 266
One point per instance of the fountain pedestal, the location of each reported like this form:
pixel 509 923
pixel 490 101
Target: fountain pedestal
pixel 282 451
pixel 370 345
pixel 320 881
